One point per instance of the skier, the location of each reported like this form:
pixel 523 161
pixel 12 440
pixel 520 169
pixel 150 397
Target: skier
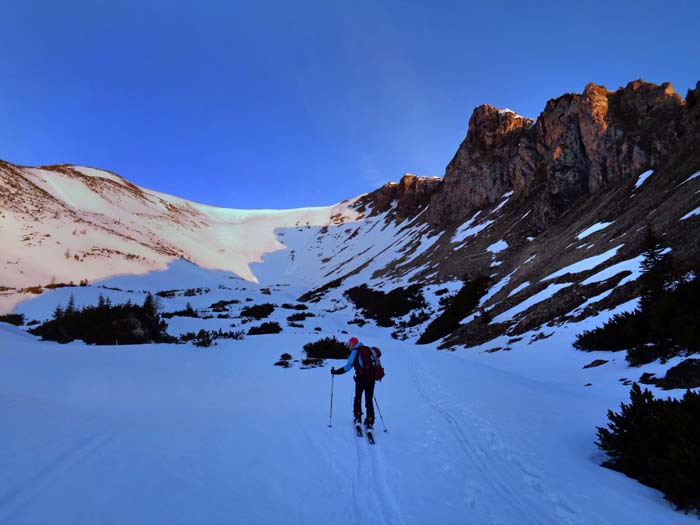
pixel 362 383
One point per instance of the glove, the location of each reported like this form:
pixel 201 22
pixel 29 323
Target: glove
pixel 337 372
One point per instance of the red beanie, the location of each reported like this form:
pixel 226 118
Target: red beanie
pixel 352 342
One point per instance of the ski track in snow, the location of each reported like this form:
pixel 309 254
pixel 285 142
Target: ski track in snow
pixel 371 486
pixel 22 495
pixel 489 464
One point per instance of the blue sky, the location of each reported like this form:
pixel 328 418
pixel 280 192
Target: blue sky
pixel 262 104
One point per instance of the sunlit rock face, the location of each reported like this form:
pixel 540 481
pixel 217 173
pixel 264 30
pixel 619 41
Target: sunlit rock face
pixel 578 145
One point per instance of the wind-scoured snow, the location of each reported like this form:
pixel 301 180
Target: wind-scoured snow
pixel 584 264
pixel 518 288
pixel 629 265
pixel 693 176
pixel 504 200
pixel 469 229
pixel 642 178
pixel 530 301
pixel 592 229
pixel 496 288
pixel 692 213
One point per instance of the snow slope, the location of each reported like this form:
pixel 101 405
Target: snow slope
pixel 163 434
pixel 177 434
pixel 112 226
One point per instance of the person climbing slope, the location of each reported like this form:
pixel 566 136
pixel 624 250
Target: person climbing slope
pixel 368 370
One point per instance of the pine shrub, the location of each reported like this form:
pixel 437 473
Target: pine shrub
pixel 457 307
pixel 258 311
pixel 187 312
pixel 15 319
pixel 265 328
pixel 666 322
pixel 658 443
pixel 381 306
pixel 105 324
pixel 301 316
pixel 327 348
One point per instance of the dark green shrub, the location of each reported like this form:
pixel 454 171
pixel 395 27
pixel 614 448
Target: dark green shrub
pixel 265 328
pixel 664 326
pixel 382 307
pixel 222 306
pixel 311 362
pixel 658 443
pixel 620 332
pixel 327 348
pixel 288 306
pixel 314 296
pixel 666 322
pixel 187 312
pixel 258 311
pixel 300 316
pixel 15 319
pixel 233 334
pixel 457 308
pixel 105 324
pixel 204 339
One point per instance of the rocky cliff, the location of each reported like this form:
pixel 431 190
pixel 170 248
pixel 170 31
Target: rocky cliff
pixel 578 145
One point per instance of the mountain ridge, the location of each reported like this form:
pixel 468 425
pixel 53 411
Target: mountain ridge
pixel 513 205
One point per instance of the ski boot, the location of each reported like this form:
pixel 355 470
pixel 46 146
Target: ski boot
pixel 369 424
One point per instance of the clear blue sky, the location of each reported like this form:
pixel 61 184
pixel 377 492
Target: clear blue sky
pixel 254 104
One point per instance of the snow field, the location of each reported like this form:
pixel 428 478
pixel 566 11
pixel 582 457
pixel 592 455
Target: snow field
pixel 163 433
pixel 173 433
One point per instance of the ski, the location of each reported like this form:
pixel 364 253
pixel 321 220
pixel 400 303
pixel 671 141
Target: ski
pixel 370 436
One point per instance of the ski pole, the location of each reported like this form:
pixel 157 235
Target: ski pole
pixel 330 419
pixel 380 413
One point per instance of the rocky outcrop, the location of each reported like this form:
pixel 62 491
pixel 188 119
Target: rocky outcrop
pixel 410 195
pixel 496 147
pixel 414 193
pixel 579 144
